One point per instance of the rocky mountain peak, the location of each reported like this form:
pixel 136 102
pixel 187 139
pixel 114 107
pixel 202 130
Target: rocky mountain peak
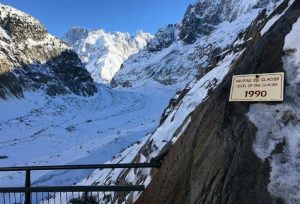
pixel 19 25
pixel 163 38
pixel 181 52
pixel 104 52
pixel 32 59
pixel 75 34
pixel 202 17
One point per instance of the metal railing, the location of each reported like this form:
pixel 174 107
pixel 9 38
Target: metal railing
pixel 20 195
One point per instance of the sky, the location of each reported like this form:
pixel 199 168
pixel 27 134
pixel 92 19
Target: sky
pixel 111 15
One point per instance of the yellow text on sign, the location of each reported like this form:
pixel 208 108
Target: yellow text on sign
pixel 257 87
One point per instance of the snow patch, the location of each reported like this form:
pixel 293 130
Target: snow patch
pixel 271 22
pixel 278 135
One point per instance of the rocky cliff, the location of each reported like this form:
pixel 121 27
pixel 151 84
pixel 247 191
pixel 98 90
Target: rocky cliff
pixel 214 151
pixel 218 157
pixel 32 59
pixel 103 52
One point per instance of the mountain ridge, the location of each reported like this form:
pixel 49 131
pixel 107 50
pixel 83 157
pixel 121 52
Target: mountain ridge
pixel 104 52
pixel 32 59
pixel 180 52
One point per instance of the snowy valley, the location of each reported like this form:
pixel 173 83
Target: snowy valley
pixel 74 129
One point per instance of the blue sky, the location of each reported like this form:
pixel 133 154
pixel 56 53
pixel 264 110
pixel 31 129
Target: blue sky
pixel 111 15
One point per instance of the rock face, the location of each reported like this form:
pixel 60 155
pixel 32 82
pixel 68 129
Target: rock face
pixel 213 161
pixel 180 52
pixel 104 52
pixel 32 59
pixel 201 18
pixel 163 38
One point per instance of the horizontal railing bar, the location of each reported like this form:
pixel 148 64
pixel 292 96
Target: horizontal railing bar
pixel 72 189
pixel 78 167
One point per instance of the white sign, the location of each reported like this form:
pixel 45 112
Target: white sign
pixel 257 87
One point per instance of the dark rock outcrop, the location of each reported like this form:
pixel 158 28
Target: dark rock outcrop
pixel 163 38
pixel 213 161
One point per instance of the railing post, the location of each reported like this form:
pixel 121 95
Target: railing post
pixel 27 185
pixel 28 190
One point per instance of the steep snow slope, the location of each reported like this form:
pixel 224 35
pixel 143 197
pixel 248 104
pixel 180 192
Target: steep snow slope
pixel 180 52
pixel 32 59
pixel 103 52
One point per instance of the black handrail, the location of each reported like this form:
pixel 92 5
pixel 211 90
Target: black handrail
pixel 153 164
pixel 28 189
pixel 53 189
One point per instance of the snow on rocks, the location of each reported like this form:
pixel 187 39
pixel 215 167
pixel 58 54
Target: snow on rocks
pixel 279 128
pixel 274 18
pixel 104 52
pixel 169 60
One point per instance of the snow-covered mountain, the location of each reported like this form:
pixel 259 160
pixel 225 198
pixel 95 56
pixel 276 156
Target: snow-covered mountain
pixel 32 59
pixel 102 52
pixel 180 52
pixel 216 151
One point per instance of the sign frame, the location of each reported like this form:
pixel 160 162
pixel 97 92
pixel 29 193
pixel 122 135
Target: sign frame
pixel 233 89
